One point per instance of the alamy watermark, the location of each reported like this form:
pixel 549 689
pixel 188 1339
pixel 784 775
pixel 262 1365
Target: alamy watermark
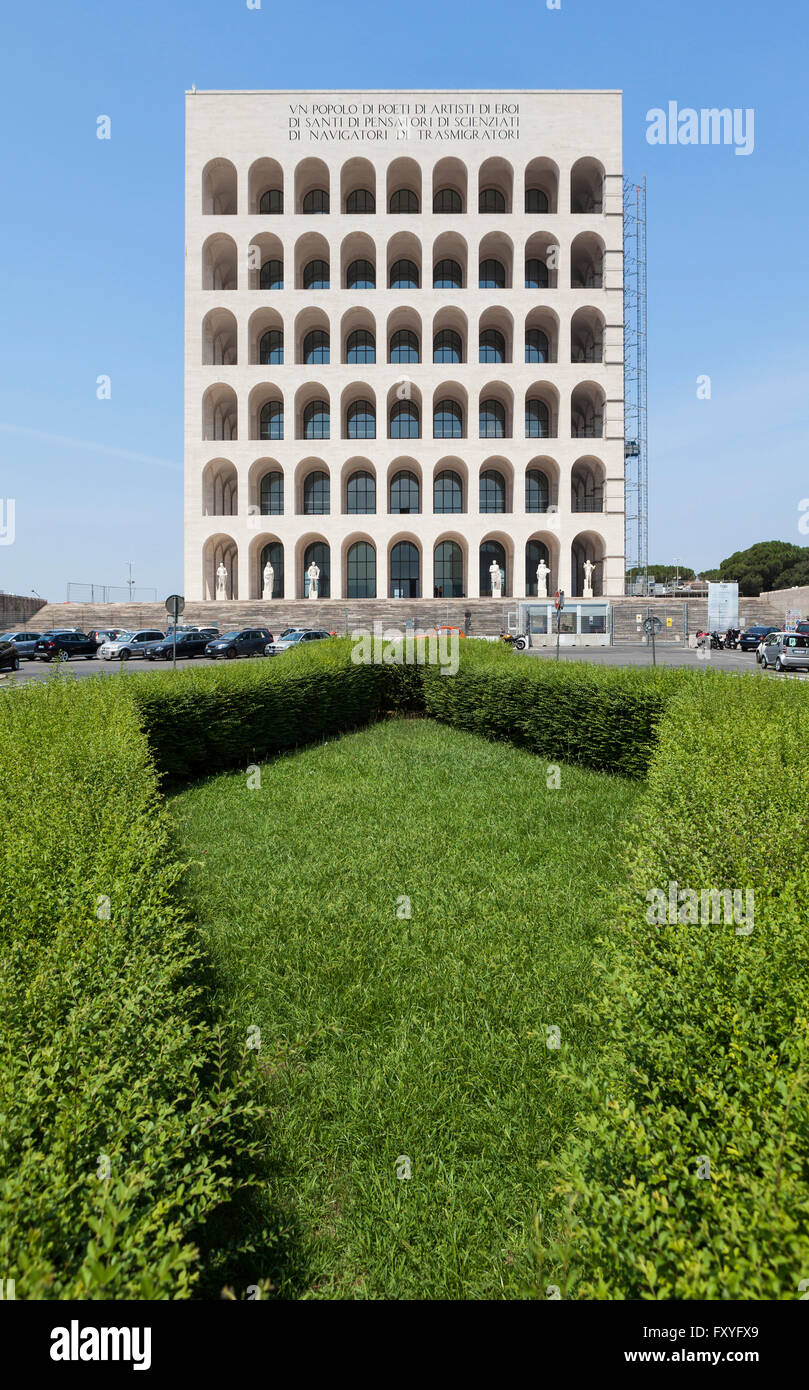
pixel 692 906
pixel 391 647
pixel 708 126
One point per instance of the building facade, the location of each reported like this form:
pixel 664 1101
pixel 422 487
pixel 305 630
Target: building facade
pixel 404 343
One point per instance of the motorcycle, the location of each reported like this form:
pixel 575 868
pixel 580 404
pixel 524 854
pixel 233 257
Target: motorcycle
pixel 732 638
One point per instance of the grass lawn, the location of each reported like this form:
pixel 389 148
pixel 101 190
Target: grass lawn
pixel 385 1037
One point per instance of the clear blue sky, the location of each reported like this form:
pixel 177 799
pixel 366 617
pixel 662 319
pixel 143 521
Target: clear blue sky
pixel 93 235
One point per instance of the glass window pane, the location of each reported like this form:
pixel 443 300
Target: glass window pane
pixel 361 494
pixel 403 200
pixel 271 276
pixel 316 420
pixel 447 346
pixel 361 420
pixel 271 497
pixel 271 421
pixel 272 201
pixel 361 346
pixel 316 494
pixel 447 492
pixel 404 493
pixel 271 347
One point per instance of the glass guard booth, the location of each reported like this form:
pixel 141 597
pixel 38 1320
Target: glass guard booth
pixel 584 623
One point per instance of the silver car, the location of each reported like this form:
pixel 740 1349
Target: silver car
pixel 128 644
pixel 786 651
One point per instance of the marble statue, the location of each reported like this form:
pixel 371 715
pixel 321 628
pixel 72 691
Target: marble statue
pixel 314 575
pixel 588 579
pixel 497 579
pixel 542 579
pixel 269 574
pixel 221 581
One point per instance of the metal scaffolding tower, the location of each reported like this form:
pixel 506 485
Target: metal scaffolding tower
pixel 635 403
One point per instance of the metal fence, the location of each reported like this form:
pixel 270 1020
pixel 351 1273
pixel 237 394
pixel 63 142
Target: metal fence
pixel 109 593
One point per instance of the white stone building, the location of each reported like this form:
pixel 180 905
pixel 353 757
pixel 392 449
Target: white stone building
pixel 404 342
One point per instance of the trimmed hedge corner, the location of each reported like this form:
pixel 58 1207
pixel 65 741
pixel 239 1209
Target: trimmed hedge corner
pixel 687 1175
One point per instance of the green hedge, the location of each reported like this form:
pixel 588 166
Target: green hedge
pixel 605 718
pixel 705 1028
pixel 106 1050
pixel 203 720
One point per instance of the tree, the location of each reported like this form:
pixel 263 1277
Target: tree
pixel 662 573
pixel 766 565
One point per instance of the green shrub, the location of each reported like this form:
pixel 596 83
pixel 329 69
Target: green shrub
pixel 605 718
pixel 208 719
pixel 106 1052
pixel 705 1028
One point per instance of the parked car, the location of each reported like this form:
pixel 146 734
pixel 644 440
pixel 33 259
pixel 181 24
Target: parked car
pixel 294 638
pixel 24 642
pixel 802 627
pixel 128 644
pixel 105 634
pixel 776 632
pixel 246 641
pixel 786 651
pixel 752 636
pixel 9 656
pixel 62 645
pixel 208 632
pixel 189 644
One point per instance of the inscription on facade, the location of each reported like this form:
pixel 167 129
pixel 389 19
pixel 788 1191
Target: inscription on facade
pixel 383 121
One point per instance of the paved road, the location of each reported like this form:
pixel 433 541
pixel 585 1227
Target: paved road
pixel 41 670
pixel 630 654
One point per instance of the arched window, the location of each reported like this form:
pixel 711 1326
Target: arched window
pixel 316 346
pixel 404 346
pixel 361 494
pixel 447 346
pixel 360 346
pixel 492 346
pixel 447 275
pixel 320 553
pixel 448 570
pixel 490 551
pixel 361 420
pixel 537 491
pixel 274 555
pixel 447 492
pixel 317 200
pixel 316 275
pixel 404 275
pixel 404 420
pixel 404 200
pixel 536 274
pixel 534 552
pixel 536 200
pixel 271 420
pixel 271 201
pixel 492 420
pixel 316 420
pixel 537 420
pixel 537 348
pixel 361 200
pixel 492 491
pixel 447 420
pixel 271 495
pixel 361 571
pixel 447 200
pixel 316 493
pixel 360 276
pixel 271 276
pixel 271 347
pixel 404 493
pixel 491 200
pixel 404 570
pixel 492 275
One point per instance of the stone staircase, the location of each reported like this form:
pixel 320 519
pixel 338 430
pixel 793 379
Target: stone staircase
pixel 487 617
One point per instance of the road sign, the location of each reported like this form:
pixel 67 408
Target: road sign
pixel 652 625
pixel 559 601
pixel 175 603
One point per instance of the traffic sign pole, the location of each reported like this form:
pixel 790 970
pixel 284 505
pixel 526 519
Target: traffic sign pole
pixel 175 604
pixel 559 603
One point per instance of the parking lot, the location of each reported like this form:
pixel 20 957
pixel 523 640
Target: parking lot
pixel 667 654
pixel 41 670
